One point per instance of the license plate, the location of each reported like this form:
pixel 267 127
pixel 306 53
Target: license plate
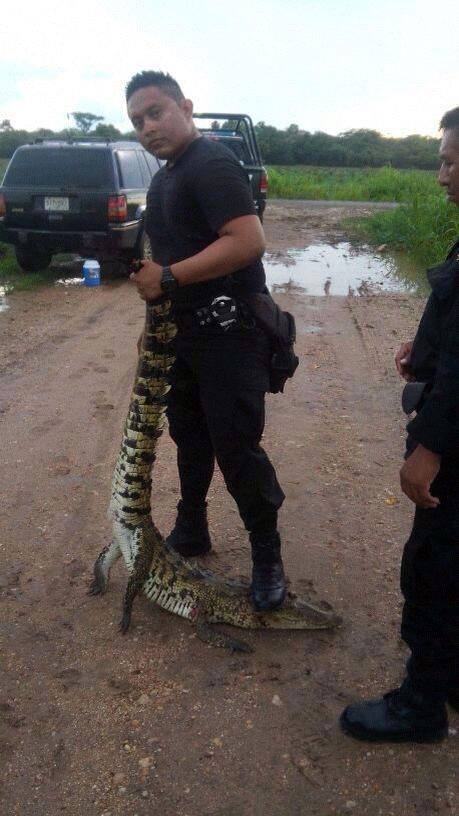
pixel 55 204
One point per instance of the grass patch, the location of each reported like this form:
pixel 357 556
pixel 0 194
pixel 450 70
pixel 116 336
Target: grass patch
pixel 350 184
pixel 424 227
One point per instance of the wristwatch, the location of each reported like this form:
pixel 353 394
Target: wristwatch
pixel 169 284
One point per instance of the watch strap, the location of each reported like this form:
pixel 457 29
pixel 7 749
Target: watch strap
pixel 169 284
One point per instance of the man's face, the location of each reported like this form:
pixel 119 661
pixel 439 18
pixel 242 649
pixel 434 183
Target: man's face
pixel 448 176
pixel 163 126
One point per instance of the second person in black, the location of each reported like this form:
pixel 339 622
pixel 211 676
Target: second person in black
pixel 416 711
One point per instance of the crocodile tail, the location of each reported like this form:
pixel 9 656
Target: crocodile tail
pixel 131 486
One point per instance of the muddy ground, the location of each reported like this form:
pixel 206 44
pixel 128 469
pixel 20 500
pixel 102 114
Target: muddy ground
pixel 157 722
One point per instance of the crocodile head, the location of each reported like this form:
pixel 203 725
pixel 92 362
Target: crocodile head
pixel 297 613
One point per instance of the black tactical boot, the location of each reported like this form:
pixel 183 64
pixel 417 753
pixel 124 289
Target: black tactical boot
pixel 268 580
pixel 190 535
pixel 402 715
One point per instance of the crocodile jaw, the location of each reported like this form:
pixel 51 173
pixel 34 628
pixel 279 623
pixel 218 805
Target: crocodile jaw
pixel 299 614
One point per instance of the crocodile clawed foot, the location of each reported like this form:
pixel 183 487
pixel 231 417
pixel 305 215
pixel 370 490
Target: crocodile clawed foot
pixel 98 585
pixel 95 588
pixel 238 646
pixel 125 622
pixel 208 634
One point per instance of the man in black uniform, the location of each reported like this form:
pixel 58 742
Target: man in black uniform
pixel 430 478
pixel 207 242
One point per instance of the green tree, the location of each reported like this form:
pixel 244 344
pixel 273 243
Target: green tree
pixel 85 121
pixel 107 131
pixel 43 133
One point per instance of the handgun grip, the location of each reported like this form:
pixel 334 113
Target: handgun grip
pixel 135 265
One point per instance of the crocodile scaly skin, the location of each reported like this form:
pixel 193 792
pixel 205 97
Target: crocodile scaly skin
pixel 166 578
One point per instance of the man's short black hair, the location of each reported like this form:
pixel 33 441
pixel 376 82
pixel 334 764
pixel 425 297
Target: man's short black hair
pixel 450 121
pixel 167 84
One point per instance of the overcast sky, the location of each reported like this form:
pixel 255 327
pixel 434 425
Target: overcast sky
pixel 332 65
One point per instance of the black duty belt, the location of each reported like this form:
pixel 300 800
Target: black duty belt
pixel 223 311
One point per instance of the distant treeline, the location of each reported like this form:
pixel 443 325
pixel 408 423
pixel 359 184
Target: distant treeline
pixel 355 148
pixel 10 139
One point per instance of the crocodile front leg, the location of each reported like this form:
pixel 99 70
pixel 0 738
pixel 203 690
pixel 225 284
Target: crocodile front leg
pixel 208 634
pixel 138 576
pixel 102 566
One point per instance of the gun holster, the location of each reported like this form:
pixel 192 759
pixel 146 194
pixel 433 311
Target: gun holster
pixel 413 396
pixel 280 328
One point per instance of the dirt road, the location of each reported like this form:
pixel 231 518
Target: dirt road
pixel 156 722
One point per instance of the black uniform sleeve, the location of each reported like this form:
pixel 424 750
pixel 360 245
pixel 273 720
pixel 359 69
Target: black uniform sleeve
pixel 222 191
pixel 436 426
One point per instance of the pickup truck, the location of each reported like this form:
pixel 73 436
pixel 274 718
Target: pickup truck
pixel 238 134
pixel 89 195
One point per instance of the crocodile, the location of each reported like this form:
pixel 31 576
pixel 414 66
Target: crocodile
pixel 170 581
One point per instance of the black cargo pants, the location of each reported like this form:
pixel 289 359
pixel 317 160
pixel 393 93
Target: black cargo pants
pixel 216 411
pixel 430 585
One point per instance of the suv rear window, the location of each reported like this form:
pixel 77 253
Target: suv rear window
pixel 236 144
pixel 89 168
pixel 152 162
pixel 131 177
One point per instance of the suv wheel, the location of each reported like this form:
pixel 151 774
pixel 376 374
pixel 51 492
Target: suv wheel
pixel 112 267
pixel 31 259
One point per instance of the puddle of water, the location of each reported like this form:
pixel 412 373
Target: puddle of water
pixel 4 305
pixel 322 269
pixel 69 281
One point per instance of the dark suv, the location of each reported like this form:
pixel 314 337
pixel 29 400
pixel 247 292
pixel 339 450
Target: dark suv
pixel 85 196
pixel 89 195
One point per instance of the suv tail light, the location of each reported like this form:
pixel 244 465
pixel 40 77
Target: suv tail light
pixel 117 208
pixel 2 206
pixel 264 182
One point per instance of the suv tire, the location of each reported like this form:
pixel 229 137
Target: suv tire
pixel 112 267
pixel 32 259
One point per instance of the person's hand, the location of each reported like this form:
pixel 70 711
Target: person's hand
pixel 148 280
pixel 402 360
pixel 417 474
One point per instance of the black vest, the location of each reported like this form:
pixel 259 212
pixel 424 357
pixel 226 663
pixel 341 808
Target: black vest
pixel 444 281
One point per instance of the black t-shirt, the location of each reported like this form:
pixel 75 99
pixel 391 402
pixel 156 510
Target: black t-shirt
pixel 187 203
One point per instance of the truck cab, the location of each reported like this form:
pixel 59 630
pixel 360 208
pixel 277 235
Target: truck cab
pixel 237 133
